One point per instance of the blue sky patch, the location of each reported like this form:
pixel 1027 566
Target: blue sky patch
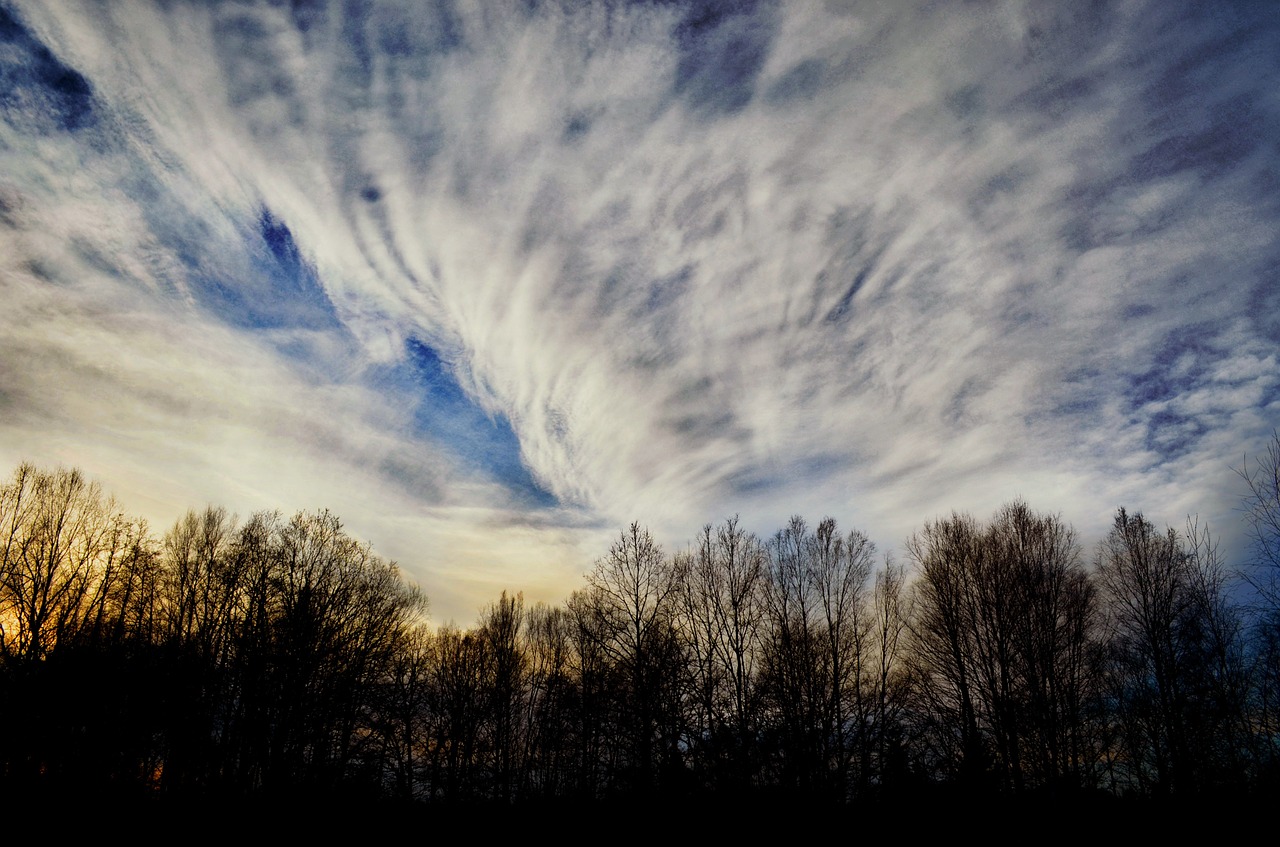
pixel 723 47
pixel 282 291
pixel 447 414
pixel 35 87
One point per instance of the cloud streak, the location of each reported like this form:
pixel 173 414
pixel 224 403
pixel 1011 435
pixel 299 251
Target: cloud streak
pixel 541 271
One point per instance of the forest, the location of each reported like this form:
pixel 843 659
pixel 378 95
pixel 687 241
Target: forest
pixel 995 661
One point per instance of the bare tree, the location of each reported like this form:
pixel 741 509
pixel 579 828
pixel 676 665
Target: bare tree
pixel 1051 670
pixel 816 650
pixel 317 623
pixel 946 554
pixel 886 680
pixel 1177 660
pixel 399 715
pixel 842 569
pixel 547 720
pixel 633 598
pixel 597 727
pixel 1222 736
pixel 1261 507
pixel 723 609
pixel 460 670
pixel 199 587
pixel 61 542
pixel 1004 640
pixel 500 627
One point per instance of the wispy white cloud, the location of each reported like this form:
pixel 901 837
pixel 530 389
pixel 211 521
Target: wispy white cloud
pixel 873 260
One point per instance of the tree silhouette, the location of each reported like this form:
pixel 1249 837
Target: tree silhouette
pixel 630 609
pixel 1177 659
pixel 280 659
pixel 722 620
pixel 1005 643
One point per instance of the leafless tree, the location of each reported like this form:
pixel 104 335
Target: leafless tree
pixel 597 732
pixel 886 679
pixel 398 716
pixel 1051 672
pixel 632 597
pixel 500 626
pixel 1261 507
pixel 1005 647
pixel 460 670
pixel 723 613
pixel 63 545
pixel 548 716
pixel 946 554
pixel 817 649
pixel 1179 675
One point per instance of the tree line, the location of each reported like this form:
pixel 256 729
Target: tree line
pixel 281 656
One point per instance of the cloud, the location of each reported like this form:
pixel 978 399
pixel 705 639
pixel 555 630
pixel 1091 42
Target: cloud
pixel 574 266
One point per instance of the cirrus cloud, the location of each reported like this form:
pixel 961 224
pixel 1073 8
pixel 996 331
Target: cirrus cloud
pixel 491 281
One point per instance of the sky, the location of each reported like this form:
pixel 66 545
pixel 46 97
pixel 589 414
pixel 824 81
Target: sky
pixel 492 280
